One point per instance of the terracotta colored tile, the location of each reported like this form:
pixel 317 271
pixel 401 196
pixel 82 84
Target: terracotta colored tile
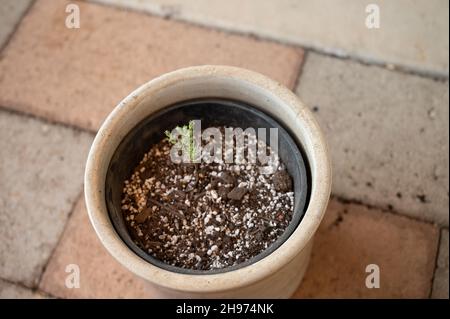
pixel 101 276
pixel 78 75
pixel 352 237
pixel 404 250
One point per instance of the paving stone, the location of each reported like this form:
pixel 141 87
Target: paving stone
pixel 443 250
pixel 412 33
pixel 11 11
pixel 101 276
pixel 352 237
pixel 13 291
pixel 342 251
pixel 41 175
pixel 388 134
pixel 77 76
pixel 440 285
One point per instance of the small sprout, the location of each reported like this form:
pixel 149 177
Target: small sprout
pixel 187 139
pixel 170 137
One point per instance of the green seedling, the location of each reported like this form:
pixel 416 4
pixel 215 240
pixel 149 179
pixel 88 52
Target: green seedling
pixel 186 132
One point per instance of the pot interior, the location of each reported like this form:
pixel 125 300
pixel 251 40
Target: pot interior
pixel 211 112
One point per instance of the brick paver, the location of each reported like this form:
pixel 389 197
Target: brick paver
pixel 101 276
pixel 77 76
pixel 412 33
pixel 352 237
pixel 41 173
pixel 11 11
pixel 388 134
pixel 341 253
pixel 440 285
pixel 13 291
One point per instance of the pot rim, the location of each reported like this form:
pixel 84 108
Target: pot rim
pixel 316 152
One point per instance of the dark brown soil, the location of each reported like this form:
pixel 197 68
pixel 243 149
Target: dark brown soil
pixel 204 216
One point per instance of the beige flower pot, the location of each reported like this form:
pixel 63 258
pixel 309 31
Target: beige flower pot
pixel 276 276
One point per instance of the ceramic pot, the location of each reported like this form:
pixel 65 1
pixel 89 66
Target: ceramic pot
pixel 275 275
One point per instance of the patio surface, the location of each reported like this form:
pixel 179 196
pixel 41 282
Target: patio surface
pixel 380 95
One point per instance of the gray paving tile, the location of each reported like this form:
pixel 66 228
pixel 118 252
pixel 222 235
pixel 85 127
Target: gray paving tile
pixel 11 11
pixel 13 291
pixel 41 175
pixel 388 134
